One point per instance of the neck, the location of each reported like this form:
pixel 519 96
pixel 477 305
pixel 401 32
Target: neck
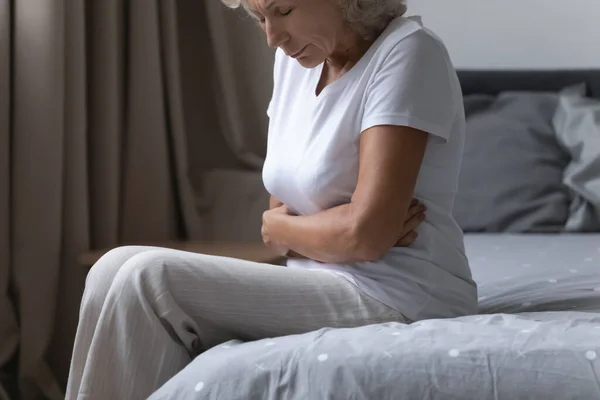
pixel 350 49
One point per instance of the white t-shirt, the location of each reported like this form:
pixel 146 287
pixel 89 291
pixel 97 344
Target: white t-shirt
pixel 406 78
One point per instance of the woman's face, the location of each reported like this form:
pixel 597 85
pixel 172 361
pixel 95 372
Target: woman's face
pixel 307 30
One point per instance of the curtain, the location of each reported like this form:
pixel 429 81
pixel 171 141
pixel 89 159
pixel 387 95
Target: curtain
pixel 9 333
pixel 120 121
pixel 225 53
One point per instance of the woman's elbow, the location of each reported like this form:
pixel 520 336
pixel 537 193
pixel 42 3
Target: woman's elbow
pixel 371 244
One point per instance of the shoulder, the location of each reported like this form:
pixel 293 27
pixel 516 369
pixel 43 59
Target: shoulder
pixel 412 81
pixel 414 60
pixel 409 40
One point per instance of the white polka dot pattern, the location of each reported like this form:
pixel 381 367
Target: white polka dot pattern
pixel 518 277
pixel 454 353
pixel 529 273
pixel 513 346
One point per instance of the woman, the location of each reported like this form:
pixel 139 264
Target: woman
pixel 366 112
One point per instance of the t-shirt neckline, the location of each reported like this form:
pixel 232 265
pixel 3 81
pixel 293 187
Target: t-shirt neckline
pixel 352 71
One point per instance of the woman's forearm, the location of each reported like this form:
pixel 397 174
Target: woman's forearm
pixel 329 236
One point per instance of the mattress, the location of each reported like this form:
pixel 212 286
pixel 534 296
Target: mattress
pixel 537 337
pixel 525 273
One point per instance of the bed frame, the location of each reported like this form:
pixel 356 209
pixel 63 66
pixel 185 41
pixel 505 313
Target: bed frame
pixel 493 82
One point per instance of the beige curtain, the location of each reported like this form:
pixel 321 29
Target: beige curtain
pixel 227 74
pixel 120 121
pixel 223 53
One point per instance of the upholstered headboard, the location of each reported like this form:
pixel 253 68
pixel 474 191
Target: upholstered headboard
pixel 493 82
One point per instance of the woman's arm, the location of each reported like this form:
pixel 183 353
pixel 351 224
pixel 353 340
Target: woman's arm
pixel 370 225
pixel 275 203
pixel 414 218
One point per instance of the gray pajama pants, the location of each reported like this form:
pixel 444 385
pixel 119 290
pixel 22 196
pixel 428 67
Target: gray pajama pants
pixel 147 312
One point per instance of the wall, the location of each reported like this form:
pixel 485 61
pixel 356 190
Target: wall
pixel 516 33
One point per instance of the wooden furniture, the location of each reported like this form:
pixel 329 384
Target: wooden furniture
pixel 257 252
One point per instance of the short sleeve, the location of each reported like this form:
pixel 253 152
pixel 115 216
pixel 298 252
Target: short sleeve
pixel 413 87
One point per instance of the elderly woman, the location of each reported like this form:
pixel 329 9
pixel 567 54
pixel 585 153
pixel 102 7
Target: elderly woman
pixel 366 114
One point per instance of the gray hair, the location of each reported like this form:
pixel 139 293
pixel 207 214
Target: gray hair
pixel 368 17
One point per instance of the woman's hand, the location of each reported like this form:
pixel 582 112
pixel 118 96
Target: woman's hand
pixel 414 217
pixel 268 218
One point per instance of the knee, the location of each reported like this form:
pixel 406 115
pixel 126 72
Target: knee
pixel 142 272
pixel 102 274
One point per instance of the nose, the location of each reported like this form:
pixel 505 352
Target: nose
pixel 276 35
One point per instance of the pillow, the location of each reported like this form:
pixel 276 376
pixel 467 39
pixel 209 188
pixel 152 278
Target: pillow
pixel 577 125
pixel 511 176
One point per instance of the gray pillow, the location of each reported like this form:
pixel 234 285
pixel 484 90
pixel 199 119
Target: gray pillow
pixel 577 125
pixel 511 176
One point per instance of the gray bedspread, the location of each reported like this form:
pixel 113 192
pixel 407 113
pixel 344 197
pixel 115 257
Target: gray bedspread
pixel 517 348
pixel 519 273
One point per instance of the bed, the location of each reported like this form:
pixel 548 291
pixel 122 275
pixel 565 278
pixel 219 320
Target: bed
pixel 536 273
pixel 534 252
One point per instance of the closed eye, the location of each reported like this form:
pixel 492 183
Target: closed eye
pixel 261 20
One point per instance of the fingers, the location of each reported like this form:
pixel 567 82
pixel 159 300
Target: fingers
pixel 415 208
pixel 414 218
pixel 413 222
pixel 407 240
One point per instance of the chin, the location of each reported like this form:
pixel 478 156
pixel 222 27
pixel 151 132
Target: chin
pixel 309 62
